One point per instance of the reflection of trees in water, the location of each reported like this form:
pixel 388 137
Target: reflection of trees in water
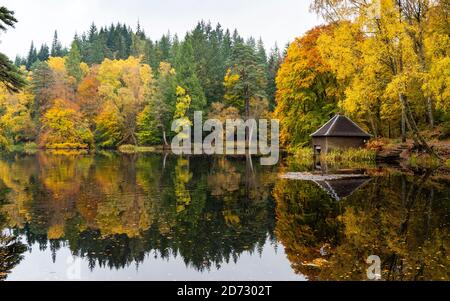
pixel 307 219
pixel 115 210
pixel 402 219
pixel 11 248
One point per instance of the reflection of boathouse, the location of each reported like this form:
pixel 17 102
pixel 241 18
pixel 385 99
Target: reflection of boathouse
pixel 338 186
pixel 338 133
pixel 342 188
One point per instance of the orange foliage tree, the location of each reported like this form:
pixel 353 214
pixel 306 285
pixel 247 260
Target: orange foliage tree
pixel 307 90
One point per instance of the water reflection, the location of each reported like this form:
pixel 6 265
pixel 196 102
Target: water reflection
pixel 403 219
pixel 11 248
pixel 116 211
pixel 342 188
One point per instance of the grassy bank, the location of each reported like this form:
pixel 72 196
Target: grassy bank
pixel 303 158
pixel 349 155
pixel 423 161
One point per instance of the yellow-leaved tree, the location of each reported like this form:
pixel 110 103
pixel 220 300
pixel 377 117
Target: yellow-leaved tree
pixel 125 87
pixel 308 91
pixel 389 43
pixel 63 127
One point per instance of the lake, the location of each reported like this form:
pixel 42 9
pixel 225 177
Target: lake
pixel 108 216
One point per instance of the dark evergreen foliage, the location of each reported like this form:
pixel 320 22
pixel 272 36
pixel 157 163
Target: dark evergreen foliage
pixel 9 74
pixel 201 59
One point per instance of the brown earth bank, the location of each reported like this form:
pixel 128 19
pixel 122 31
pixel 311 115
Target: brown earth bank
pixel 406 153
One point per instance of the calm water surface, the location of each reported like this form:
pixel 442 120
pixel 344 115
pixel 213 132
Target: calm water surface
pixel 155 217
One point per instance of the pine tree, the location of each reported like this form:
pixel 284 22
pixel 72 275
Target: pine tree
pixel 96 54
pixel 248 78
pixel 121 48
pixel 187 77
pixel 226 44
pixel 9 75
pixel 261 52
pixel 139 32
pixel 57 49
pixel 32 56
pixel 73 62
pixel 138 44
pixel 150 56
pixel 216 66
pixel 174 50
pixel 93 33
pixel 41 85
pixel 237 39
pixel 274 64
pixel 164 46
pixel 19 61
pixel 251 42
pixel 209 59
pixel 44 53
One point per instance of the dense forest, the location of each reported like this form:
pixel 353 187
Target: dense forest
pixel 383 63
pixel 116 86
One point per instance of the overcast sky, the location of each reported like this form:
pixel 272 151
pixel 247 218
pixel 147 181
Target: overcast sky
pixel 274 20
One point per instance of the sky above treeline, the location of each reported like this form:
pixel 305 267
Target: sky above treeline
pixel 277 21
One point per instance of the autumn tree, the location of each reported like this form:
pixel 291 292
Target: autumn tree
pixel 63 127
pixel 16 115
pixel 394 34
pixel 182 106
pixel 125 86
pixel 109 127
pixel 308 92
pixel 366 81
pixel 154 122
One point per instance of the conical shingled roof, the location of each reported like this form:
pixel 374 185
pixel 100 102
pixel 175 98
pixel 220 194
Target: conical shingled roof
pixel 340 126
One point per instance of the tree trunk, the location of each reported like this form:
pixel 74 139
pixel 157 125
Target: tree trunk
pixel 419 141
pixel 373 125
pixel 165 138
pixel 134 139
pixel 247 117
pixel 403 125
pixel 164 162
pixel 430 111
pixel 389 130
